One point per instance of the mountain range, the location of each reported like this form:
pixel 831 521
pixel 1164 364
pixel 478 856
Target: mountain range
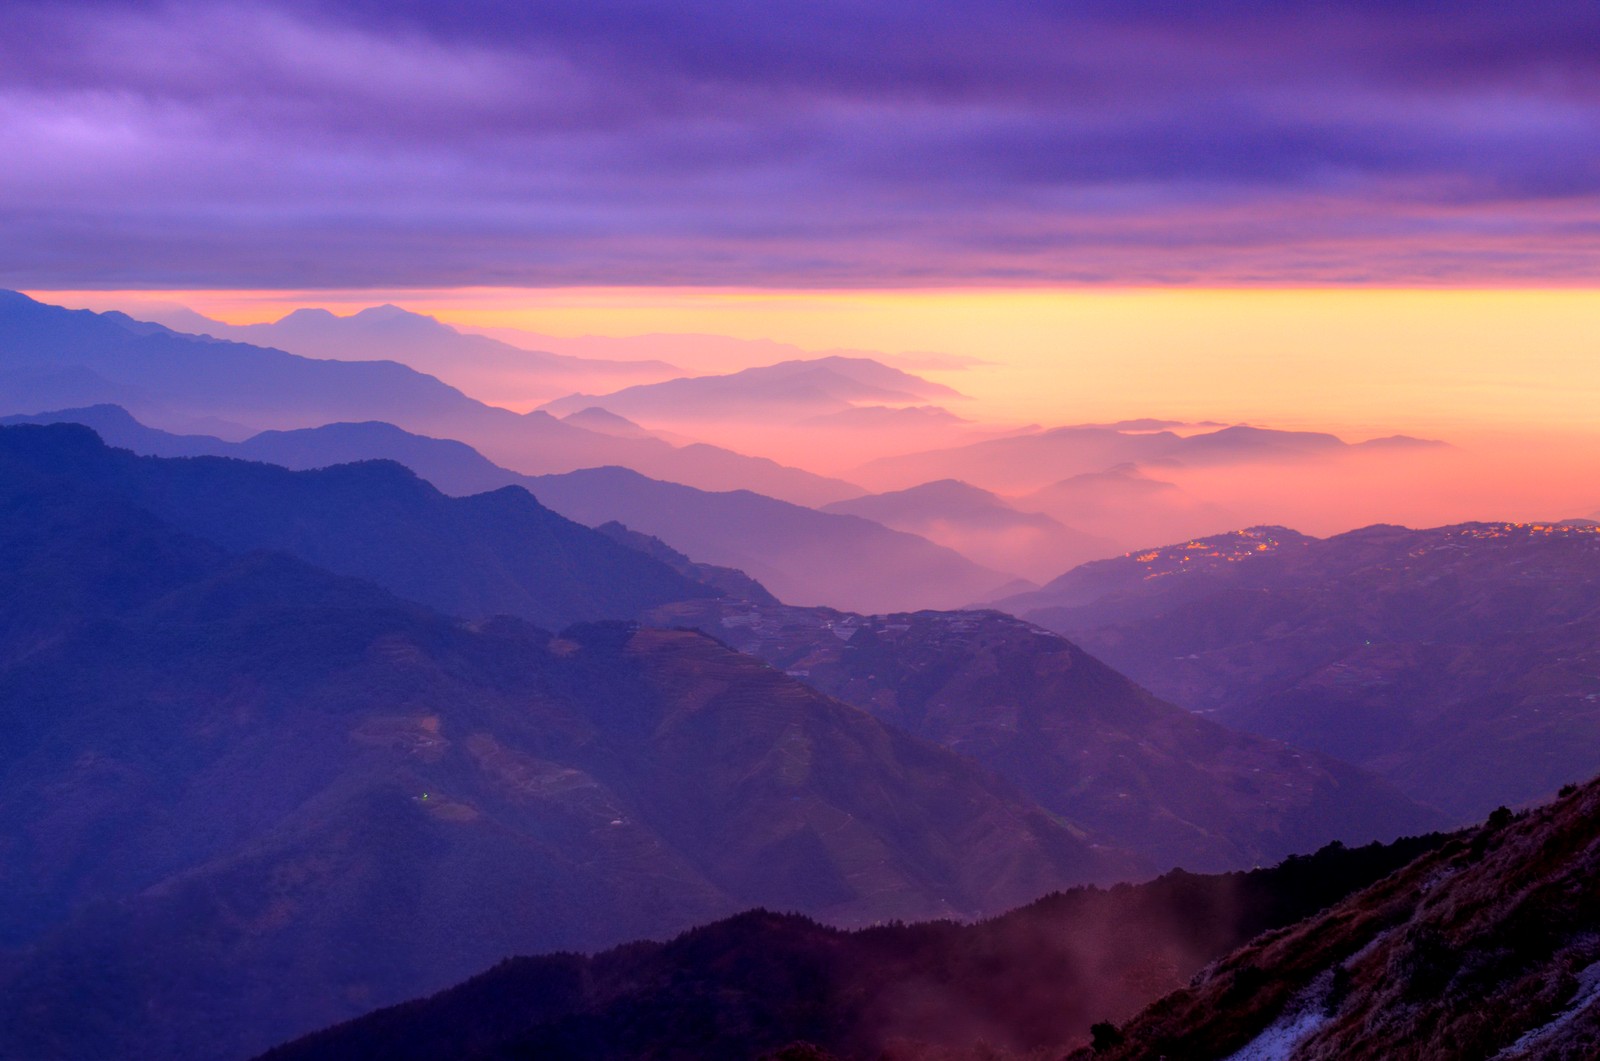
pixel 493 553
pixel 362 685
pixel 1459 662
pixel 1019 464
pixel 1075 736
pixel 246 797
pixel 799 553
pixel 476 364
pixel 789 389
pixel 52 358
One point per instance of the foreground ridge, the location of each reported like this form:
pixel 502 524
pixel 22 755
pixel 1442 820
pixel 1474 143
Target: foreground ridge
pixel 1028 983
pixel 1487 947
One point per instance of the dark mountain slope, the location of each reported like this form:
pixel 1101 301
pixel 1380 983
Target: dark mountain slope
pixel 1487 947
pixel 494 553
pixel 801 554
pixel 454 467
pixel 1075 735
pixel 1459 662
pixel 729 580
pixel 245 798
pixel 1035 978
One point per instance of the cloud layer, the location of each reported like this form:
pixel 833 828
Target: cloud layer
pixel 899 142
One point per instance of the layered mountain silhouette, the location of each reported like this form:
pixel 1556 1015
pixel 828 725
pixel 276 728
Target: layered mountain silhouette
pixel 707 353
pixel 52 358
pixel 1486 947
pixel 981 525
pixel 798 553
pixel 593 418
pixel 1079 738
pixel 1035 979
pixel 1027 462
pixel 789 389
pixel 493 553
pixel 477 364
pixel 246 797
pixel 1459 662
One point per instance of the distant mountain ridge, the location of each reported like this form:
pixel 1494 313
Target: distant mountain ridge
pixel 474 363
pixel 803 556
pixel 793 389
pixel 52 358
pixel 800 554
pixel 1027 462
pixel 493 553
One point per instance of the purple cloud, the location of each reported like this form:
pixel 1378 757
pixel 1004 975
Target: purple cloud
pixel 408 143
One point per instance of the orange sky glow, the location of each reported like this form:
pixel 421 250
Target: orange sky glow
pixel 1354 360
pixel 1509 377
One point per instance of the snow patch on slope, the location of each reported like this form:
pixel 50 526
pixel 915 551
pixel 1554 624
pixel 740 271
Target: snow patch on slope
pixel 1304 1014
pixel 1588 994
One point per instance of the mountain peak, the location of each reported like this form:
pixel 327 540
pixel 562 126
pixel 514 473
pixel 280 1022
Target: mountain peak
pixel 308 315
pixel 388 311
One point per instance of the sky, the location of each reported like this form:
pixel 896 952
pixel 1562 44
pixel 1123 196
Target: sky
pixel 1364 213
pixel 831 143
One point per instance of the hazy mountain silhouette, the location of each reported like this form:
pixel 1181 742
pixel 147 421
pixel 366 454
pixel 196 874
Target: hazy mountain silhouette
pixel 799 553
pixel 494 553
pixel 1022 463
pixel 1458 662
pixel 1483 948
pixel 1076 736
pixel 802 555
pixel 475 363
pixel 706 353
pixel 1036 978
pixel 53 358
pixel 887 418
pixel 791 389
pixel 981 525
pixel 596 419
pixel 1129 507
pixel 247 797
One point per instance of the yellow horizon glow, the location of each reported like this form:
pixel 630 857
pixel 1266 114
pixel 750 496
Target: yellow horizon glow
pixel 1346 359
